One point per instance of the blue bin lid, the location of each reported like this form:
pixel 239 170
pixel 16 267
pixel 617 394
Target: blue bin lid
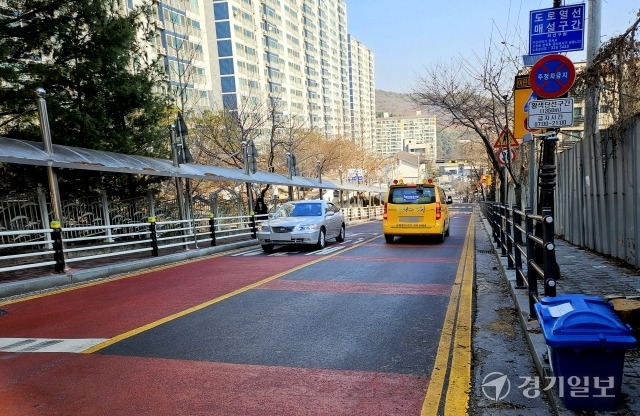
pixel 582 321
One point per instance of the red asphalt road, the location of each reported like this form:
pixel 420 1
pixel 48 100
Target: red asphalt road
pixel 93 384
pixel 113 307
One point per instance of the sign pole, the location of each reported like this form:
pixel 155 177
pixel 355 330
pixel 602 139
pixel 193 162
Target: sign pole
pixel 532 162
pixel 508 164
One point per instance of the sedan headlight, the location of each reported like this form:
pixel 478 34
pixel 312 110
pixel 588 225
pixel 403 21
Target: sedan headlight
pixel 264 227
pixel 304 227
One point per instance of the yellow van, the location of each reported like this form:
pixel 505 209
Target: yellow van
pixel 416 209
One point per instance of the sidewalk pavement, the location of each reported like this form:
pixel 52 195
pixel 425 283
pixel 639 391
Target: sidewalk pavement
pixel 586 273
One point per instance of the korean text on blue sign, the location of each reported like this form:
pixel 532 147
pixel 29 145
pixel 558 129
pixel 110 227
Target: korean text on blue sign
pixel 559 29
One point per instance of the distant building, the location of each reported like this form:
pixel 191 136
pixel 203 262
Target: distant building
pixel 407 167
pixel 412 134
pixel 362 94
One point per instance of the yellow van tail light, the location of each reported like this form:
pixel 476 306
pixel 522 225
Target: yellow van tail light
pixel 438 210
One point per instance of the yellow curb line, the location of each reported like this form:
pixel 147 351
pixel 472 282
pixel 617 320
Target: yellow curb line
pixel 453 359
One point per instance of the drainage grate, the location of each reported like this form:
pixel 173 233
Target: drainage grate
pixel 2 312
pixel 484 251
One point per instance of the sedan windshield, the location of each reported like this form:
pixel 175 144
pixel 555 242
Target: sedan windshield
pixel 311 209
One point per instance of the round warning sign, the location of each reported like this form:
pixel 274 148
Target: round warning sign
pixel 506 155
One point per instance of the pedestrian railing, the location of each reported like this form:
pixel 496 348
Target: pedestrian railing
pixel 527 240
pixel 59 245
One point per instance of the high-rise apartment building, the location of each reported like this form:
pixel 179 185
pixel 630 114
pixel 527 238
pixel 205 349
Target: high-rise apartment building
pixel 293 56
pixel 290 57
pixel 180 43
pixel 362 93
pixel 413 134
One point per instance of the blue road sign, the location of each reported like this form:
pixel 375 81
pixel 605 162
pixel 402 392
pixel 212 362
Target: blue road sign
pixel 532 97
pixel 559 29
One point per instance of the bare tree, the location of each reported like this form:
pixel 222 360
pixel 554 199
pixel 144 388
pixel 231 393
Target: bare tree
pixel 220 135
pixel 475 96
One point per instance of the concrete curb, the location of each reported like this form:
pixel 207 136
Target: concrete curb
pixel 533 333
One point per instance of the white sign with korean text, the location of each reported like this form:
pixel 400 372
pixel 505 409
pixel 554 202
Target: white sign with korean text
pixel 550 113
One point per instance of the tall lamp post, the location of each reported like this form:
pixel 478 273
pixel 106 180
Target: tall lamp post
pixel 56 206
pixel 292 170
pixel 186 157
pixel 176 163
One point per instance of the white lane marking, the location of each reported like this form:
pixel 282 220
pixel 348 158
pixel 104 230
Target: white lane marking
pixel 324 251
pixel 248 253
pixel 48 344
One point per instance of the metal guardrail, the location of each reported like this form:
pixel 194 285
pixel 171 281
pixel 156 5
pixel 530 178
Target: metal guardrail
pixel 59 246
pixel 514 233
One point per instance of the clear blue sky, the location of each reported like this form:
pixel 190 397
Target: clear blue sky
pixel 408 35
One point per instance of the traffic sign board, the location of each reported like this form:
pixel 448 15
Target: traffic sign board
pixel 522 95
pixel 550 113
pixel 505 140
pixel 552 76
pixel 506 156
pixel 558 29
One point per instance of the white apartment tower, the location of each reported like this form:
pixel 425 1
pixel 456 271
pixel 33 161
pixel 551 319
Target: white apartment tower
pixel 362 93
pixel 180 42
pixel 292 55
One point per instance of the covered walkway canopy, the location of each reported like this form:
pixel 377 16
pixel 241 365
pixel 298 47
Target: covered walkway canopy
pixel 32 153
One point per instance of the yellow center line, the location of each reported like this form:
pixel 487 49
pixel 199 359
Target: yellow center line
pixel 455 342
pixel 195 308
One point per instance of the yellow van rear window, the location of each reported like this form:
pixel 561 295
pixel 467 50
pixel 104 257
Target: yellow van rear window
pixel 412 196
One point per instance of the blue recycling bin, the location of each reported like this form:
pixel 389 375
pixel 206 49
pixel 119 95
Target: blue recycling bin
pixel 587 344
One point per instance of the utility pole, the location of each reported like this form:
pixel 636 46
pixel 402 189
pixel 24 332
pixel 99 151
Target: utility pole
pixel 591 126
pixel 593 44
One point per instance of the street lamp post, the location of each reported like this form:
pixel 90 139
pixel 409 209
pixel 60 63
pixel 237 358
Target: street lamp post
pixel 319 167
pixel 185 157
pixel 43 116
pixel 290 174
pixel 176 163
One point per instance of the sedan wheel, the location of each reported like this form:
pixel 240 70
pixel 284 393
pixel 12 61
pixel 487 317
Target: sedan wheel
pixel 322 240
pixel 340 237
pixel 267 248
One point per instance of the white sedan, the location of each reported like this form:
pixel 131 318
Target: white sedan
pixel 302 222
